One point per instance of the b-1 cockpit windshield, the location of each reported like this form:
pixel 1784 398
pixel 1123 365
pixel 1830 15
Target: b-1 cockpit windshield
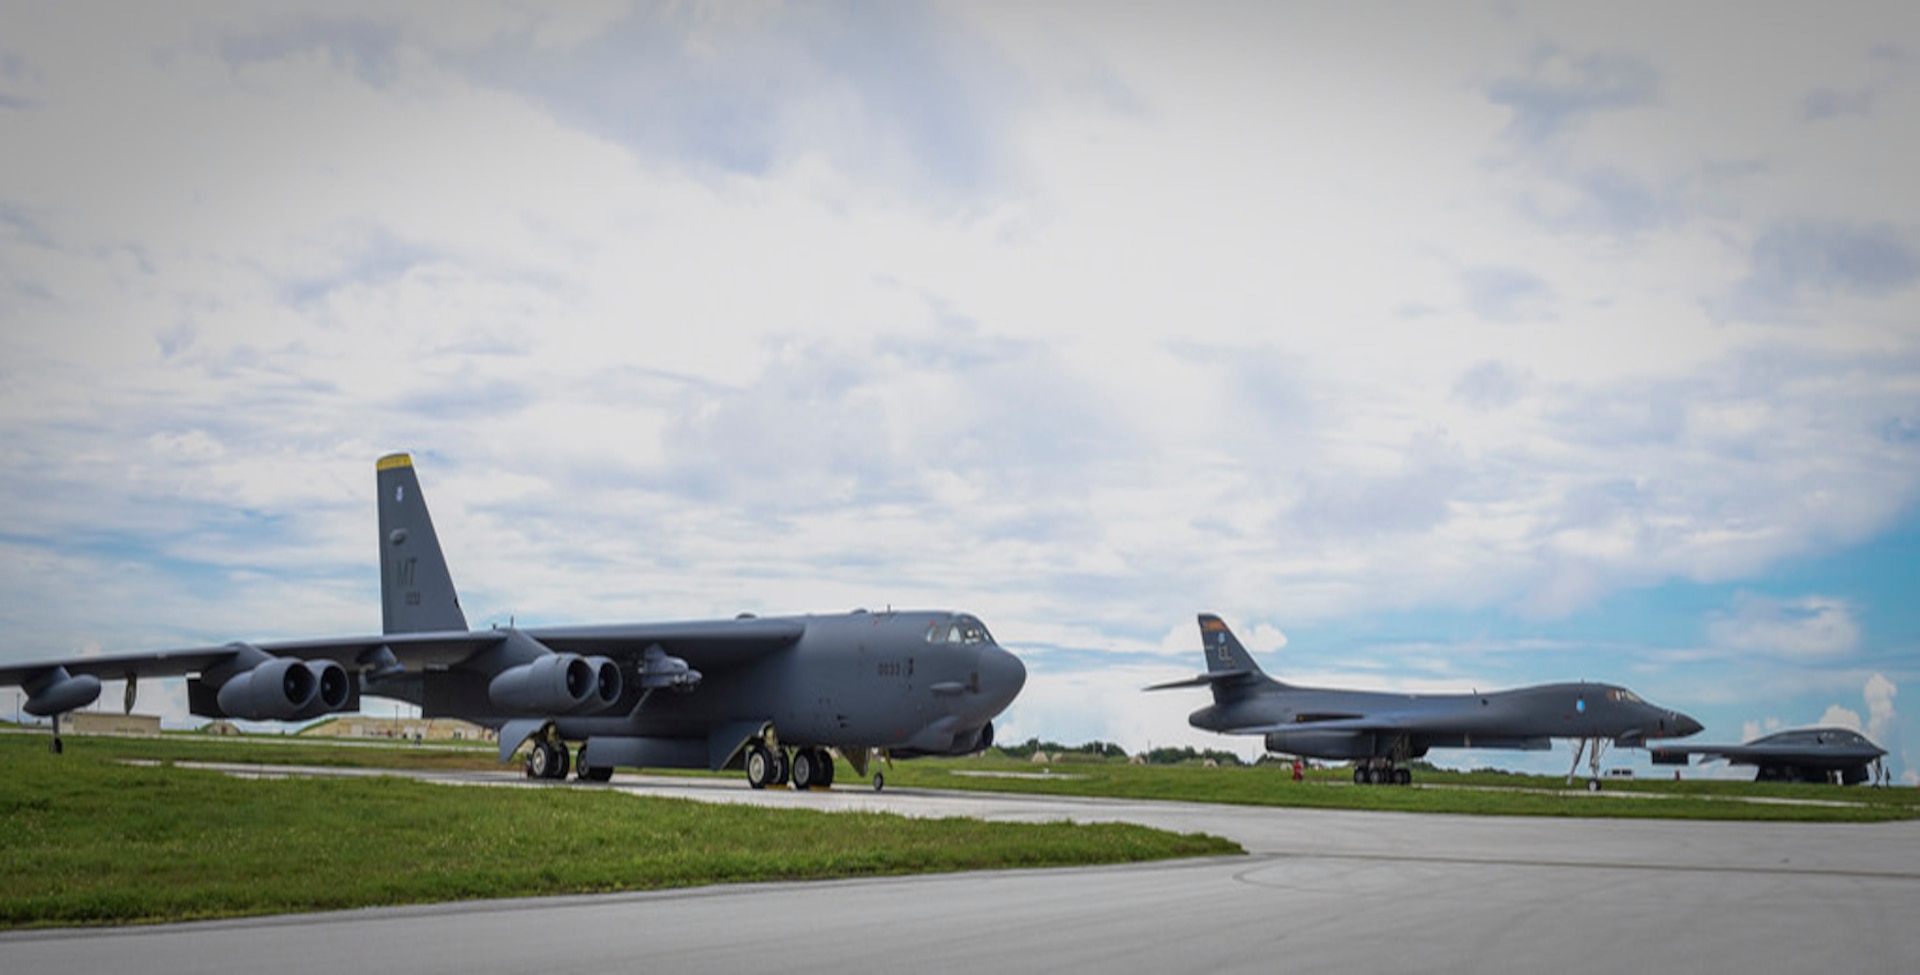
pixel 960 630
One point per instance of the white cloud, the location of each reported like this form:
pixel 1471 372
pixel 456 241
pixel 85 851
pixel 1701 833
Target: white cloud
pixel 1839 717
pixel 1811 627
pixel 1085 324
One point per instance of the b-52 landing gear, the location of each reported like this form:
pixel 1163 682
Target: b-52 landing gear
pixel 547 759
pixel 807 767
pixel 812 768
pixel 1381 771
pixel 766 766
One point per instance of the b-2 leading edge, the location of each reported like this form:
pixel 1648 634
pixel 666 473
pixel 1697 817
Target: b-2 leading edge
pixel 773 696
pixel 1382 731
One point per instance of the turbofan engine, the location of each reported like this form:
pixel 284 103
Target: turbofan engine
pixel 284 689
pixel 558 683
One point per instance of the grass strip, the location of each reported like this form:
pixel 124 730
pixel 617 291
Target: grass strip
pixel 90 840
pixel 1485 793
pixel 1467 793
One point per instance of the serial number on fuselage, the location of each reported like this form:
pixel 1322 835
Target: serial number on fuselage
pixel 896 668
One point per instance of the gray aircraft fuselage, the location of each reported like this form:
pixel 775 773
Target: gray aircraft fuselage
pixel 764 694
pixel 1384 729
pixel 891 680
pixel 1321 722
pixel 1798 755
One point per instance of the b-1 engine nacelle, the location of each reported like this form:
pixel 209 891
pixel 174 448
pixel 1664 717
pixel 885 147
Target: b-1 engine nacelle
pixel 284 689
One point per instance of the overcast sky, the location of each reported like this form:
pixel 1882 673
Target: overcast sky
pixel 1434 346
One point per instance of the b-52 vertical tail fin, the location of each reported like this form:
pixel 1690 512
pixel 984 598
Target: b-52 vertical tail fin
pixel 416 590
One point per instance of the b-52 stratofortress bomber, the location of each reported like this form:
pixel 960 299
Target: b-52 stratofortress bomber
pixel 1381 731
pixel 772 696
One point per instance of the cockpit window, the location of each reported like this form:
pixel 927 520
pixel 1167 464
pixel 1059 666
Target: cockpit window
pixel 1622 694
pixel 961 630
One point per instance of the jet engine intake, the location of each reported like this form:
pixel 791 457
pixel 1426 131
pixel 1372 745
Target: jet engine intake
pixel 57 692
pixel 608 683
pixel 558 683
pixel 285 689
pixel 936 741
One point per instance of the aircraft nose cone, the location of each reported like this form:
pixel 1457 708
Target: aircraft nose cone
pixel 1684 725
pixel 1001 677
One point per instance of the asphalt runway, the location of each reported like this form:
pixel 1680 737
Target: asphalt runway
pixel 1347 891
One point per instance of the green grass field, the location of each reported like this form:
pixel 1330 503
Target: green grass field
pixel 90 839
pixel 1473 793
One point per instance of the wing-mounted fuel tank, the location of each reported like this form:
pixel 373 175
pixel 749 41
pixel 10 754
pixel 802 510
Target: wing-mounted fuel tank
pixel 56 692
pixel 254 685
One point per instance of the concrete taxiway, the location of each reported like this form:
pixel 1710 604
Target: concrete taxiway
pixel 1370 892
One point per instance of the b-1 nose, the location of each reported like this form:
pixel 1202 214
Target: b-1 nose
pixel 1684 725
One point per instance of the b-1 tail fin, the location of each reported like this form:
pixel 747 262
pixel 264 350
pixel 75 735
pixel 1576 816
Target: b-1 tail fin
pixel 1228 663
pixel 1223 649
pixel 416 590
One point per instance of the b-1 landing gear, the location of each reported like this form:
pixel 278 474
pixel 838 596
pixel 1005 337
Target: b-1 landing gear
pixel 1381 771
pixel 1593 763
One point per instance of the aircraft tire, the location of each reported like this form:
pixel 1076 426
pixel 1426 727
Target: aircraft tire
pixel 561 761
pixel 1359 776
pixel 781 766
pixel 759 766
pixel 540 761
pixel 879 782
pixel 1593 785
pixel 1402 776
pixel 804 772
pixel 826 767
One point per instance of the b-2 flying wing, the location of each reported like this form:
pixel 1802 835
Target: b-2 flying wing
pixel 1382 731
pixel 1827 755
pixel 775 696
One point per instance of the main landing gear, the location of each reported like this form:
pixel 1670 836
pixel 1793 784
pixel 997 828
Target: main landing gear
pixel 805 768
pixel 1381 771
pixel 547 758
pixel 1593 763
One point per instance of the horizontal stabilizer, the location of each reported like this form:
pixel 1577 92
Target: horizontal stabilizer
pixel 1204 680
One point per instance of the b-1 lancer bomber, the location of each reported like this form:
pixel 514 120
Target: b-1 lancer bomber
pixel 774 696
pixel 1381 731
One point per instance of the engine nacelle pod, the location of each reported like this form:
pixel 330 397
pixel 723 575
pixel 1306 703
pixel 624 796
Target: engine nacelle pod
pixel 608 683
pixel 982 740
pixel 284 689
pixel 57 692
pixel 554 684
